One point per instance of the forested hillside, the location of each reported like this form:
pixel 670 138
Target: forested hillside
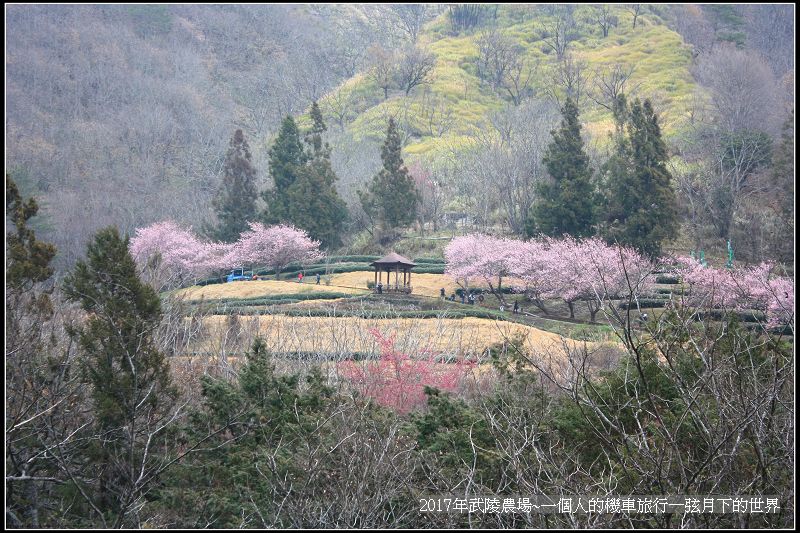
pixel 123 113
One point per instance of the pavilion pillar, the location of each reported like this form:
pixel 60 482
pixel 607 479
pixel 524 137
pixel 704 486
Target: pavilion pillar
pixel 396 275
pixel 376 278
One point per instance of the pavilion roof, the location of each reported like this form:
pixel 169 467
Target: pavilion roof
pixel 394 259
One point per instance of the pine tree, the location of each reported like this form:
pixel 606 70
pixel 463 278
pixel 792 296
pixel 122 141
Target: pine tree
pixel 129 376
pixel 640 204
pixel 781 242
pixel 27 260
pixel 38 391
pixel 391 197
pixel 565 204
pixel 314 204
pixel 235 203
pixel 285 160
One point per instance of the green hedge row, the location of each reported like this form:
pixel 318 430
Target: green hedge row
pixel 477 290
pixel 270 300
pixel 471 313
pixel 744 316
pixel 653 303
pixel 668 280
pixel 428 261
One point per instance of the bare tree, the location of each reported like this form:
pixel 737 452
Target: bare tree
pixel 561 31
pixel 692 24
pixel 517 80
pixel 570 77
pixel 341 105
pixel 745 93
pixel 612 82
pixel 410 18
pixel 381 69
pixel 509 157
pixel 635 10
pixel 497 54
pixel 436 113
pixel 502 65
pixel 603 17
pixel 414 68
pixel 466 16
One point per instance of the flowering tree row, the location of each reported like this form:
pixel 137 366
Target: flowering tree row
pixel 568 269
pixel 741 289
pixel 169 254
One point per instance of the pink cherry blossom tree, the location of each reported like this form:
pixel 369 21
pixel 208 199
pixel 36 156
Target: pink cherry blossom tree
pixel 274 246
pixel 750 288
pixel 531 264
pixel 166 253
pixel 568 269
pixel 398 380
pixel 481 258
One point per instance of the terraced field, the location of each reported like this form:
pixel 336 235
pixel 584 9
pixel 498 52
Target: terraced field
pixel 252 289
pixel 342 336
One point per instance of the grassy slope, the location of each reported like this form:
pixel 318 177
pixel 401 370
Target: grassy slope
pixel 661 59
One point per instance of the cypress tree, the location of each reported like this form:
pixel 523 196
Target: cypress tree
pixel 565 204
pixel 783 180
pixel 37 372
pixel 235 203
pixel 285 159
pixel 640 204
pixel 313 202
pixel 129 376
pixel 391 197
pixel 27 260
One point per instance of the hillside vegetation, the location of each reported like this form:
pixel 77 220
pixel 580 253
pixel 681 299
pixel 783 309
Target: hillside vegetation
pixel 659 59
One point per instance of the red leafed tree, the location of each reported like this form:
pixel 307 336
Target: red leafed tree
pixel 397 380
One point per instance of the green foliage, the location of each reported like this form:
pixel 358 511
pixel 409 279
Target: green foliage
pixel 27 260
pixel 391 197
pixel 639 206
pixel 314 203
pixel 304 193
pixel 783 180
pixel 454 436
pixel 129 377
pixel 257 428
pixel 565 205
pixel 285 159
pixel 235 203
pixel 123 361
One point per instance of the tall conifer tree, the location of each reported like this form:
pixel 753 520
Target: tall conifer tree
pixel 313 202
pixel 391 197
pixel 235 203
pixel 286 157
pixel 639 205
pixel 129 377
pixel 565 204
